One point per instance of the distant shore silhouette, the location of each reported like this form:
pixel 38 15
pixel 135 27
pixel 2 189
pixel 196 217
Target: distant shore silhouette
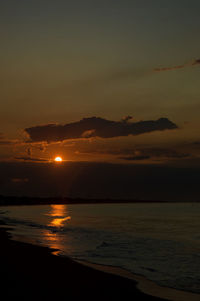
pixel 25 200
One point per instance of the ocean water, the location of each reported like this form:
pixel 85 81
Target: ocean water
pixel 158 240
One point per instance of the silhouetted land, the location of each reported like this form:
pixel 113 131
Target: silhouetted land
pixel 23 200
pixel 31 272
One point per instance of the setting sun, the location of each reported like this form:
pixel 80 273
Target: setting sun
pixel 58 159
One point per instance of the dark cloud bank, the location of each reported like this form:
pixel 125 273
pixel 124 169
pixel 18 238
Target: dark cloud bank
pixel 100 180
pixel 96 127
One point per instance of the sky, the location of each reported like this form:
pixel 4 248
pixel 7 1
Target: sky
pixel 111 82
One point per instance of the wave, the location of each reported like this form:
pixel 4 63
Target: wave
pixel 159 259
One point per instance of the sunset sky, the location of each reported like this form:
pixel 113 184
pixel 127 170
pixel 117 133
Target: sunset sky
pixel 99 81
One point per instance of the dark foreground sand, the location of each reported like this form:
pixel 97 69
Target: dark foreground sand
pixel 33 273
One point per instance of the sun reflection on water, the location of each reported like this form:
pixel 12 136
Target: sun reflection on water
pixel 59 212
pixel 59 222
pixel 59 216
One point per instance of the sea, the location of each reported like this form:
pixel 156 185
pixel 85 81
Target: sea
pixel 160 241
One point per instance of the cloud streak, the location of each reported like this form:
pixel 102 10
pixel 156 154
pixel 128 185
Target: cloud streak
pixel 19 180
pixel 192 63
pixel 155 153
pixel 139 154
pixel 96 127
pixel 31 159
pixel 135 158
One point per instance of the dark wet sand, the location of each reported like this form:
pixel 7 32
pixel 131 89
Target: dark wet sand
pixel 32 272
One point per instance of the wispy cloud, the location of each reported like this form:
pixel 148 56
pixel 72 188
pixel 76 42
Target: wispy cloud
pixel 192 63
pixel 4 141
pixel 135 158
pixel 31 159
pixel 19 180
pixel 155 153
pixel 196 62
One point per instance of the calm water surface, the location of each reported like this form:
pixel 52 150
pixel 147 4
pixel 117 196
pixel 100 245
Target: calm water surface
pixel 159 241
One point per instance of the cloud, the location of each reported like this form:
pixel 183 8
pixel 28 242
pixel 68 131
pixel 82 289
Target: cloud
pixel 135 158
pixel 169 68
pixel 138 154
pixel 192 63
pixel 29 151
pixel 9 142
pixel 196 62
pixel 31 159
pixel 5 141
pixel 155 153
pixel 164 152
pixel 88 134
pixel 127 118
pixel 19 180
pixel 96 127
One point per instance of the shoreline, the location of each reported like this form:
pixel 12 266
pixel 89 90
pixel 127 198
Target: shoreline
pixel 31 271
pixel 145 285
pixel 140 282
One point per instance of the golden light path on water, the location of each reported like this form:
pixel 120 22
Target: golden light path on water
pixel 58 213
pixel 59 216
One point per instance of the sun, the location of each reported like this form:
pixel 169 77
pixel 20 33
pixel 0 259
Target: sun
pixel 58 159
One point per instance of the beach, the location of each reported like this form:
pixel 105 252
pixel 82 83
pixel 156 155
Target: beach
pixel 32 272
pixel 40 256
